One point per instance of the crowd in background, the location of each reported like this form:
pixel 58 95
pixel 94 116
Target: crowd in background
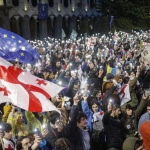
pixel 105 103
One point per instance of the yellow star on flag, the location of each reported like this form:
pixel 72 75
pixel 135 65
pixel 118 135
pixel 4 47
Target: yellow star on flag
pixel 5 35
pixel 12 37
pixel 23 48
pixel 19 41
pixel 22 54
pixel 16 59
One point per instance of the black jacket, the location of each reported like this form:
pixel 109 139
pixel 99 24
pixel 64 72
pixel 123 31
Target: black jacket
pixel 52 136
pixel 114 130
pixel 74 133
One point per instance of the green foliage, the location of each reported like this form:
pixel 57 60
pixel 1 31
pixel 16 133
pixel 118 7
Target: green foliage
pixel 128 14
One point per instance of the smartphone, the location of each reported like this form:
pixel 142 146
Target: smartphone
pixel 37 131
pixel 87 93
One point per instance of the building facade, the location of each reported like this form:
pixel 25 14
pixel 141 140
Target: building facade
pixel 22 17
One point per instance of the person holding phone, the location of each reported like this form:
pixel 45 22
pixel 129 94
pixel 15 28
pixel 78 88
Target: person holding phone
pixel 23 143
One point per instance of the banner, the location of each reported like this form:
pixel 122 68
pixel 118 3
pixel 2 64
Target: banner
pixel 111 20
pixel 73 35
pixel 63 35
pixel 43 11
pixel 25 90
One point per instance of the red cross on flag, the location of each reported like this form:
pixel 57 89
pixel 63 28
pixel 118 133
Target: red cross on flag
pixel 25 90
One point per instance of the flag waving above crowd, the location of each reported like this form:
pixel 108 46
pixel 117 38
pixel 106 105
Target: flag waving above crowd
pixel 25 90
pixel 15 48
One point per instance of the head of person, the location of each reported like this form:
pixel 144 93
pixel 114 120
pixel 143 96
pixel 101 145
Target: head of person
pixel 54 118
pixel 20 117
pixel 58 64
pixel 95 106
pixel 129 110
pixel 6 129
pixel 107 64
pixel 46 71
pixel 91 65
pixel 126 80
pixel 67 74
pixel 145 134
pixel 132 143
pixel 116 110
pixel 62 144
pixel 81 120
pixel 40 114
pixel 120 80
pixel 23 143
pixel 110 76
pixel 76 85
pixel 59 55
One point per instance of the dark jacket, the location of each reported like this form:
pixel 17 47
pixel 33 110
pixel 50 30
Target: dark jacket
pixel 134 100
pixel 52 136
pixel 130 122
pixel 74 133
pixel 114 130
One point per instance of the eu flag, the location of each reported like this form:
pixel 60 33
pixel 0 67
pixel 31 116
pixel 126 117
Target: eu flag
pixel 43 11
pixel 15 48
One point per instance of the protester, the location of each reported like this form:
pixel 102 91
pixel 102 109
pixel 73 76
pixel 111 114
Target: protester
pixel 107 70
pixel 78 133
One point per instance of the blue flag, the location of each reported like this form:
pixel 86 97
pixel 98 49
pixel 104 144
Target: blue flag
pixel 43 11
pixel 15 48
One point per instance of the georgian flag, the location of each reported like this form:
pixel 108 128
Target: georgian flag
pixel 25 90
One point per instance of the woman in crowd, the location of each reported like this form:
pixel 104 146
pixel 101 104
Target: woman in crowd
pixel 119 57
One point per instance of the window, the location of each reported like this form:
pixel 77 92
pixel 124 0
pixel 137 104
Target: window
pixel 51 3
pixel 92 3
pixel 66 3
pixel 34 3
pixel 15 2
pixel 79 3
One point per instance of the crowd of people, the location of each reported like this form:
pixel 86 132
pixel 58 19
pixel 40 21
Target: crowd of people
pixel 105 103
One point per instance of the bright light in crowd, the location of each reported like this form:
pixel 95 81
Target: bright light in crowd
pixel 60 83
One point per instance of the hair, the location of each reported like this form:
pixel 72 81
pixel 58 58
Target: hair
pixel 6 127
pixel 17 114
pixel 138 144
pixel 128 106
pixel 94 102
pixel 53 116
pixel 62 144
pixel 148 103
pixel 18 142
pixel 81 115
pixel 115 106
pixel 126 80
